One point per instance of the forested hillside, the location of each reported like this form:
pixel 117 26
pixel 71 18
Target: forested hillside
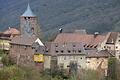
pixel 93 15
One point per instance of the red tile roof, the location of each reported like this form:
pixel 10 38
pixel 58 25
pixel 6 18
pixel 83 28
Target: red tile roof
pixel 12 31
pixel 88 39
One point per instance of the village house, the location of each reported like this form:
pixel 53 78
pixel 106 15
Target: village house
pixel 90 41
pixel 98 59
pixel 112 43
pixel 27 50
pixel 68 53
pixel 47 55
pixel 6 36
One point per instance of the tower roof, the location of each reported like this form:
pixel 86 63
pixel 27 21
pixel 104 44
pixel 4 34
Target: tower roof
pixel 28 12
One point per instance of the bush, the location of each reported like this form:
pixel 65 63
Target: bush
pixel 6 60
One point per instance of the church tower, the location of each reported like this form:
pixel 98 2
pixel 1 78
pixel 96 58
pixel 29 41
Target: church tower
pixel 29 24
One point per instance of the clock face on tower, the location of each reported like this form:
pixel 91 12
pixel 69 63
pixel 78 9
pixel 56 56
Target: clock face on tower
pixel 27 28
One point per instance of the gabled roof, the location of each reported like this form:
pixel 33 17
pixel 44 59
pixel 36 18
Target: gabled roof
pixel 87 39
pixel 39 42
pixel 11 31
pixel 26 40
pixel 28 12
pixel 112 37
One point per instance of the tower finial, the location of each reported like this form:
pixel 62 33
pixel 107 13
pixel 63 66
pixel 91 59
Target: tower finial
pixel 28 12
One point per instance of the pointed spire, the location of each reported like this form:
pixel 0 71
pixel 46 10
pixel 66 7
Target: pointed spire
pixel 28 12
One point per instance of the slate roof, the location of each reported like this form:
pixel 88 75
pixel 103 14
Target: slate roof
pixel 23 40
pixel 89 41
pixel 28 12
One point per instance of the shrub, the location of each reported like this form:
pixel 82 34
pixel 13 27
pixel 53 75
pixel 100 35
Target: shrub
pixel 6 60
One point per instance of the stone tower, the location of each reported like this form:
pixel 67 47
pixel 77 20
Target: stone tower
pixel 29 23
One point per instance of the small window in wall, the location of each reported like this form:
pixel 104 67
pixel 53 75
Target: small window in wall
pixel 33 47
pixel 88 62
pixel 116 47
pixel 62 51
pixel 69 51
pixel 119 40
pixel 25 18
pixel 79 51
pixel 73 45
pixel 28 17
pixel 36 50
pixel 46 51
pixel 56 51
pixel 104 46
pixel 56 45
pixel 81 58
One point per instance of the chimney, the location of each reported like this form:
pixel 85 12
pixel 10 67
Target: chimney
pixel 60 30
pixel 9 27
pixel 96 34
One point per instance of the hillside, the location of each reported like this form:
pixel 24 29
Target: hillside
pixel 93 15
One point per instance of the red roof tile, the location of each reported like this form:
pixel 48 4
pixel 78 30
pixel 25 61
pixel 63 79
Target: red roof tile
pixel 87 39
pixel 12 31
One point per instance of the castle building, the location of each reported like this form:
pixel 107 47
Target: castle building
pixel 27 48
pixel 28 23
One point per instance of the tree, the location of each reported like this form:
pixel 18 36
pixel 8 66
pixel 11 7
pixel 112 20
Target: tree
pixel 112 75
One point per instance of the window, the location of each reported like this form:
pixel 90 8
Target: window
pixel 62 51
pixel 69 51
pixel 28 17
pixel 56 51
pixel 25 18
pixel 119 40
pixel 81 58
pixel 104 46
pixel 46 51
pixel 36 50
pixel 88 62
pixel 79 51
pixel 56 45
pixel 116 47
pixel 73 45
